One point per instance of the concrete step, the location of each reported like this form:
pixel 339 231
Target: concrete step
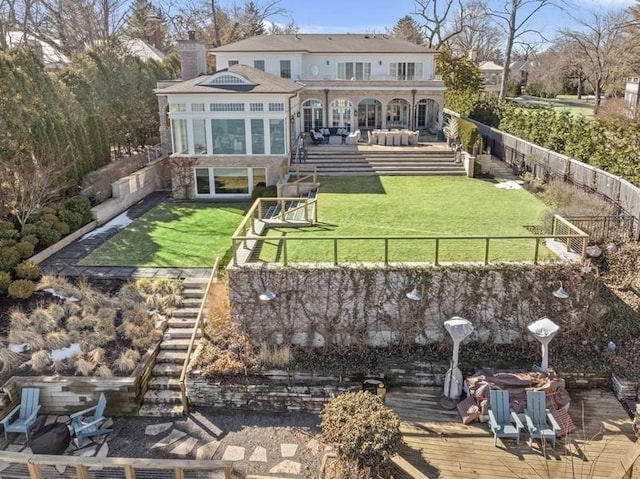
pixel 174 357
pixel 196 282
pixel 185 313
pixel 180 333
pixel 174 344
pixel 164 383
pixel 181 322
pixel 162 396
pixel 195 293
pixel 167 369
pixel 161 410
pixel 191 302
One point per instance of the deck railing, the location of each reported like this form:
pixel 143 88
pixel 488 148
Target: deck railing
pixel 34 466
pixel 629 466
pixel 303 174
pixel 574 239
pixel 183 374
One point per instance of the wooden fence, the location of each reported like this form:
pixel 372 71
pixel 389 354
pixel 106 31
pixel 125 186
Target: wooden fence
pixel 546 164
pixel 40 466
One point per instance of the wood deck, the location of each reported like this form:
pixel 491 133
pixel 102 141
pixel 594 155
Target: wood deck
pixel 440 446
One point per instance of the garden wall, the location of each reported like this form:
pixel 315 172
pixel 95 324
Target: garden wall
pixel 324 306
pixel 129 190
pixel 65 395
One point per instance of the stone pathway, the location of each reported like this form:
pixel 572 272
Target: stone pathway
pixel 196 437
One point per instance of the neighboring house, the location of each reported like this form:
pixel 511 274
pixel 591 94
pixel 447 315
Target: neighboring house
pixel 492 76
pixel 519 70
pixel 632 95
pixel 141 49
pixel 50 57
pixel 270 88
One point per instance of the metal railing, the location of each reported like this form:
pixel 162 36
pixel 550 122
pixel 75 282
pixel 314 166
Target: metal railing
pixel 183 374
pixel 573 238
pixel 31 466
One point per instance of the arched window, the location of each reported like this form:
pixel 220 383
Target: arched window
pixel 313 114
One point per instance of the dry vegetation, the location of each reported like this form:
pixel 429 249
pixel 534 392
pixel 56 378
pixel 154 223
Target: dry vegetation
pixel 112 331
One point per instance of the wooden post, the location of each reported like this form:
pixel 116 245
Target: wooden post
pixel 436 252
pixel 386 251
pixel 129 472
pixel 335 252
pixel 284 251
pixel 535 254
pixel 34 471
pixel 486 251
pixel 81 471
pixel 178 473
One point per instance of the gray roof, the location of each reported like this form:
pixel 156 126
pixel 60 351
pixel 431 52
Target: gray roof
pixel 325 43
pixel 262 82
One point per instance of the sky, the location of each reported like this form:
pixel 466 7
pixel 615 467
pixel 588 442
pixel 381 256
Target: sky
pixel 377 16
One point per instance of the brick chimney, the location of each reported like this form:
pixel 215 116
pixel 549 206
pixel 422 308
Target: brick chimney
pixel 193 57
pixel 154 30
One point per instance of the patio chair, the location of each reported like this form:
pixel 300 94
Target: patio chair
pixel 85 425
pixel 28 412
pixel 316 137
pixel 540 422
pixel 503 421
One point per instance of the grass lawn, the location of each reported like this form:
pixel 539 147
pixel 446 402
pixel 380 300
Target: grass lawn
pixel 571 104
pixel 173 235
pixel 418 206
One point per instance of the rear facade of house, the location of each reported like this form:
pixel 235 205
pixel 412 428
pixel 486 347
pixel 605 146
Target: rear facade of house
pixel 234 129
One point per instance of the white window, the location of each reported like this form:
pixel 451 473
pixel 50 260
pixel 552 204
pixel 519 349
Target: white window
pixel 228 181
pixel 406 70
pixel 233 62
pixel 197 107
pixel 256 107
pixel 285 68
pixel 354 70
pixel 276 106
pixel 177 107
pixel 258 64
pixel 180 142
pixel 199 137
pixel 227 107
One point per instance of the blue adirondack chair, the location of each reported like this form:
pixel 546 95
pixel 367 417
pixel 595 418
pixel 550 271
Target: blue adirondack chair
pixel 540 423
pixel 28 412
pixel 503 421
pixel 86 423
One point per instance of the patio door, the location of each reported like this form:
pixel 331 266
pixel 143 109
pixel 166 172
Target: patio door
pixel 367 115
pixel 421 116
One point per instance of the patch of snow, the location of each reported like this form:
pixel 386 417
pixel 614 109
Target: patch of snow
pixel 119 222
pixel 52 292
pixel 65 353
pixel 508 185
pixel 18 348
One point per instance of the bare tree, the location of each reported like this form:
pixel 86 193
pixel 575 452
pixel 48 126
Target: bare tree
pixel 601 47
pixel 438 16
pixel 514 18
pixel 477 33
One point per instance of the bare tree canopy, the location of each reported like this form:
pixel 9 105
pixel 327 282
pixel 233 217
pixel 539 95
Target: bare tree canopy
pixel 514 17
pixel 601 47
pixel 439 20
pixel 478 35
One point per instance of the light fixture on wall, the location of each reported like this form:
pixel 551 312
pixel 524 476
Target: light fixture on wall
pixel 298 113
pixel 561 293
pixel 327 62
pixel 268 295
pixel 380 62
pixel 414 294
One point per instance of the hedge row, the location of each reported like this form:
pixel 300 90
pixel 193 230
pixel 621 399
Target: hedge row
pixel 43 229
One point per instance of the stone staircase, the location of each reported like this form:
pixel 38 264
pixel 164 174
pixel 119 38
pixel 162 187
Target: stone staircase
pixel 163 396
pixel 397 162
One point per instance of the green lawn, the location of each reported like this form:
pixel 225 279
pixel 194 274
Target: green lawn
pixel 418 206
pixel 173 235
pixel 571 104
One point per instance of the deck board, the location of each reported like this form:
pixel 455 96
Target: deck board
pixel 440 446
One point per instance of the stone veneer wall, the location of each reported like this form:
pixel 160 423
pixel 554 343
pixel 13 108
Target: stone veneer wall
pixel 322 306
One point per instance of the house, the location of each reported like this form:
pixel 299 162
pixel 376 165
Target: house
pixel 50 57
pixel 632 95
pixel 492 76
pixel 519 70
pixel 270 88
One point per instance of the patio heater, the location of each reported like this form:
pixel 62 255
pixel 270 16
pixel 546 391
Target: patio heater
pixel 459 329
pixel 544 330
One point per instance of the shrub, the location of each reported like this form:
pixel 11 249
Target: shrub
pixel 5 281
pixel 19 319
pixel 29 230
pixel 264 192
pixel 43 320
pixel 57 340
pixel 47 235
pixel 76 212
pixel 61 227
pixel 468 135
pixel 9 258
pixel 40 361
pixel 9 359
pixel 22 289
pixel 25 249
pixel 362 429
pixel 84 367
pixel 125 363
pixel 28 270
pixel 29 238
pixel 103 371
pixel 56 311
pixel 28 335
pixel 8 230
pixel 96 355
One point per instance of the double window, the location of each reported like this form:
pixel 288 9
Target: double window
pixel 285 68
pixel 228 181
pixel 406 70
pixel 354 70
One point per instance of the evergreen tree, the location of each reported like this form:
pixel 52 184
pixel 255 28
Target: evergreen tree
pixel 408 29
pixel 252 21
pixel 137 16
pixel 458 72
